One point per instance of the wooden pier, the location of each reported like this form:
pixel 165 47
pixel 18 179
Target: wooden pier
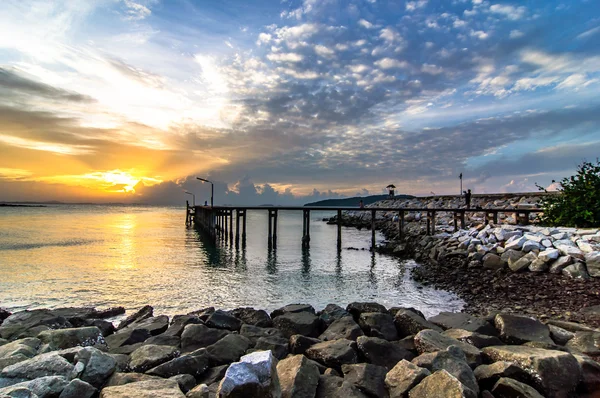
pixel 217 221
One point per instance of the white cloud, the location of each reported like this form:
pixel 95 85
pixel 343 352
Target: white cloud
pixel 459 23
pixel 431 69
pixel 576 81
pixel 359 68
pixel 413 5
pixel 365 24
pixel 263 38
pixel 136 11
pixel 589 33
pixel 285 57
pixel 390 35
pixel 511 12
pixel 515 34
pixel 341 47
pixel 477 1
pixel 480 34
pixel 302 75
pixel 323 51
pixel 389 63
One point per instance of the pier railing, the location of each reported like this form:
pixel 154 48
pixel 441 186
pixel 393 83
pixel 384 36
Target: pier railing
pixel 217 221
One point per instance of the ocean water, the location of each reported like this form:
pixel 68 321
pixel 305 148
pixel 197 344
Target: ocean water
pixel 95 255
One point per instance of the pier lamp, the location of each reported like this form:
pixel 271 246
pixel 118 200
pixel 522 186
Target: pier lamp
pixel 193 197
pixel 212 189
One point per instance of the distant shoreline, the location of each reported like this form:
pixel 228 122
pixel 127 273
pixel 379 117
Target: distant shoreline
pixel 19 205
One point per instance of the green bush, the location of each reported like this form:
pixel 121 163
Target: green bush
pixel 578 204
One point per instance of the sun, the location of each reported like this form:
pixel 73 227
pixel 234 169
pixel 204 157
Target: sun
pixel 119 181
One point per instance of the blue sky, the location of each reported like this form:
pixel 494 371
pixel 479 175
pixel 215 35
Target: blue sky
pixel 283 102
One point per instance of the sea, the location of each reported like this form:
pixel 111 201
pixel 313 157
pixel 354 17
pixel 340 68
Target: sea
pixel 104 256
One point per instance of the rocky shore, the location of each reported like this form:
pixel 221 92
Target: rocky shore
pixel 546 272
pixel 364 350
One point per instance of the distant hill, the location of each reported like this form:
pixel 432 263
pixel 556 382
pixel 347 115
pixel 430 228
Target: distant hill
pixel 349 202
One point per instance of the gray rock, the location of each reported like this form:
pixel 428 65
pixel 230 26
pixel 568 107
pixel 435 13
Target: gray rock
pixel 452 360
pixel 473 338
pixel 592 261
pixel 99 366
pixel 576 271
pixel 222 320
pixel 357 308
pixel 559 335
pixel 185 381
pixel 42 387
pixel 141 314
pixel 78 389
pixel 186 364
pixel 590 374
pixel 331 313
pixel 299 344
pixel 342 328
pixel 155 325
pixel 293 308
pixel 149 356
pixel 229 349
pixel 253 333
pixel 178 324
pixel 30 323
pixel 509 388
pixel 164 339
pixel 127 337
pixel 298 377
pixel 72 337
pixel 50 364
pixel 431 341
pixel 441 384
pixel 549 255
pixel 568 248
pixel 377 324
pixel 570 326
pixel 461 320
pixel 518 329
pixel 585 342
pixel 382 352
pixel 554 373
pixel 328 386
pixel 213 375
pixel 163 388
pixel 255 376
pixel 277 345
pixel 493 261
pixel 511 255
pixel 26 347
pixel 368 378
pixel 253 317
pixel 200 336
pixel 120 379
pixel 488 375
pixel 200 391
pixel 522 263
pixel 557 266
pixel 408 322
pixel 334 354
pixel 291 323
pixel 538 265
pixel 403 377
pixel 515 244
pixel 529 246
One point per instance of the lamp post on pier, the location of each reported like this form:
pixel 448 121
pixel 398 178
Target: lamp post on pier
pixel 193 197
pixel 212 189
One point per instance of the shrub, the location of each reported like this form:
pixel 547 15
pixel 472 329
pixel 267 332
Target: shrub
pixel 578 204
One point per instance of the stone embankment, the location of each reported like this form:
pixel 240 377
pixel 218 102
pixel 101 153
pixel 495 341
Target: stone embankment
pixel 364 350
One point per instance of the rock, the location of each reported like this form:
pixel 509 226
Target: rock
pixel 31 323
pixel 143 313
pixel 473 338
pixel 516 243
pixel 343 328
pixel 331 313
pixel 298 377
pixel 357 308
pixel 43 387
pixel 253 317
pixel 452 360
pixel 185 381
pixel 559 335
pixel 200 336
pixel 493 261
pixel 461 320
pixel 255 376
pixel 203 313
pixel 554 373
pixel 163 388
pixel 511 255
pixel 548 255
pixel 72 337
pixel 590 374
pixel 382 352
pixel 518 329
pixel 538 265
pixel 163 339
pixel 50 364
pixel 126 349
pixel 488 375
pixel 509 388
pixel 291 323
pixel 522 263
pixel 349 390
pixel 277 345
pixel 127 337
pixel 592 262
pixel 178 324
pixel 78 389
pixel 120 379
pixel 26 348
pixel 585 342
pixel 293 309
pixel 568 248
pixel 299 344
pixel 403 377
pixel 222 320
pixel 408 322
pixel 229 349
pixel 200 391
pixel 576 271
pixel 186 364
pixel 557 266
pixel 149 356
pixel 99 366
pixel 334 354
pixel 328 386
pixel 253 333
pixel 431 341
pixel 441 384
pixel 570 326
pixel 529 246
pixel 367 377
pixel 155 325
pixel 377 324
pixel 395 310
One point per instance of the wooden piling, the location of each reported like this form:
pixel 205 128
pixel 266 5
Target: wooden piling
pixel 339 230
pixel 373 216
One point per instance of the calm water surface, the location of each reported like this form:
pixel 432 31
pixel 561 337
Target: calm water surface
pixel 87 255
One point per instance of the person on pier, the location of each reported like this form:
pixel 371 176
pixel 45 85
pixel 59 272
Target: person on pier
pixel 468 198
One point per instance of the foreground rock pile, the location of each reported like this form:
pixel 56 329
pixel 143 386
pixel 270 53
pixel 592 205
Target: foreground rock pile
pixel 365 350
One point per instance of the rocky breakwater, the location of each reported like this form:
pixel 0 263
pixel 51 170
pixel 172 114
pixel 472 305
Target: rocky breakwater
pixel 364 350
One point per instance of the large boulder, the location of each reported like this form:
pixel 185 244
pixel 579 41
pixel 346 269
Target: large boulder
pixel 378 324
pixel 507 387
pixel 592 262
pixel 576 271
pixel 293 308
pixel 328 386
pixel 253 333
pixel 66 338
pixel 99 366
pixel 403 377
pixel 155 325
pixel 78 389
pixel 50 364
pixel 554 373
pixel 452 360
pixel 164 388
pixel 548 255
pixel 149 356
pixel 127 337
pixel 408 322
pixel 475 339
pixel 254 317
pixel 255 376
pixel 431 341
pixel 229 349
pixel 559 335
pixel 31 323
pixel 145 312
pixel 331 313
pixel 178 324
pixel 367 377
pixel 493 261
pixel 342 328
pixel 290 323
pixel 222 320
pixel 120 379
pixel 194 365
pixel 523 263
pixel 24 348
pixel 586 343
pixel 382 352
pixel 441 384
pixel 488 375
pixel 334 354
pixel 357 308
pixel 298 377
pixel 518 329
pixel 42 387
pixel 200 336
pixel 561 263
pixel 299 344
pixel 461 320
pixel 279 346
pixel 590 374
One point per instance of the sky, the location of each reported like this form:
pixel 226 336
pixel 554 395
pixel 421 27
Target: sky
pixel 286 102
